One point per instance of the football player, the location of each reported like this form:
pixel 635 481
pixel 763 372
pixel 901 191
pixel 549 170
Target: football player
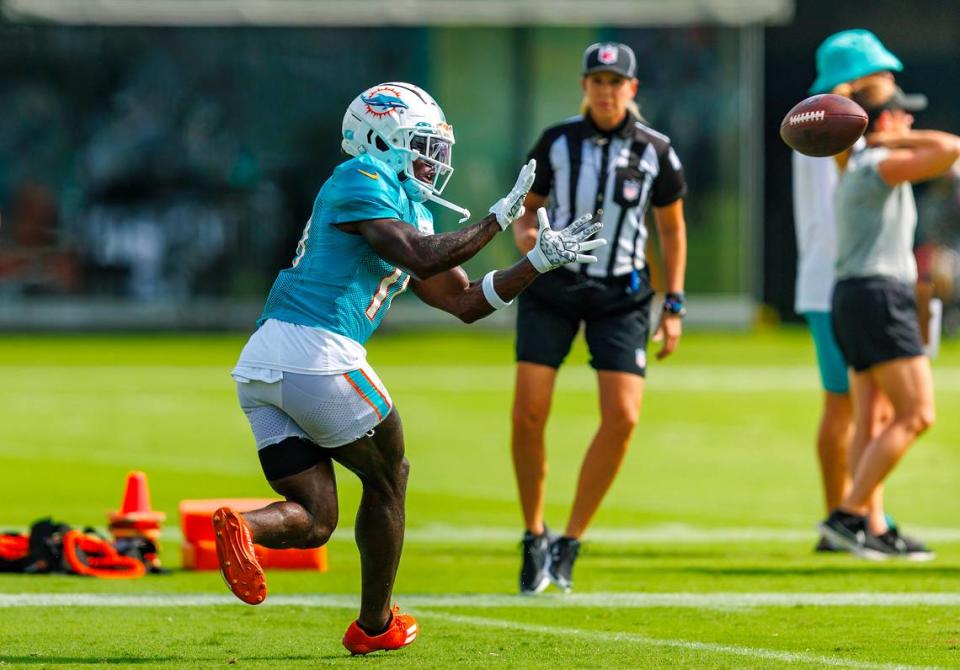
pixel 303 380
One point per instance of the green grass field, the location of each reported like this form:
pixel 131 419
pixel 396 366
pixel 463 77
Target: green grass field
pixel 700 558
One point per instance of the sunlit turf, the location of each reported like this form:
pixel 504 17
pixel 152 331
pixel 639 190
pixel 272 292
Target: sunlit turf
pixel 719 495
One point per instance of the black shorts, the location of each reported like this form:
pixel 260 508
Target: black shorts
pixel 875 321
pixel 617 320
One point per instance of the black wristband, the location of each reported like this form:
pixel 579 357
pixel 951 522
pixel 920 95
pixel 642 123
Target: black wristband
pixel 674 303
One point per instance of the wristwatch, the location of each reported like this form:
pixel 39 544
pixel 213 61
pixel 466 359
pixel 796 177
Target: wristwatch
pixel 674 303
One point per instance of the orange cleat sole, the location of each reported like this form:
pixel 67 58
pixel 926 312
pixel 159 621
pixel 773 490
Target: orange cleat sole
pixel 401 632
pixel 238 563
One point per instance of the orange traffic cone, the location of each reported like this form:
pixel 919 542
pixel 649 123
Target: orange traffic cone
pixel 136 523
pixel 136 497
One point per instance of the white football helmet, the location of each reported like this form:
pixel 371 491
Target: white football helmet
pixel 400 123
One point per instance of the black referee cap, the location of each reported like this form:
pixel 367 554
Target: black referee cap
pixel 610 57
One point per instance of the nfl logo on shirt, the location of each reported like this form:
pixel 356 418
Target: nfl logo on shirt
pixel 631 189
pixel 608 54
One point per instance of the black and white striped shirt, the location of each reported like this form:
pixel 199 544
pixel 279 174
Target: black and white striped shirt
pixel 582 169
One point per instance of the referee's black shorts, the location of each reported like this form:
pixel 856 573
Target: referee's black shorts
pixel 617 320
pixel 875 321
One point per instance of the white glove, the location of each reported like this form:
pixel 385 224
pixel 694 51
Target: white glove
pixel 553 249
pixel 510 207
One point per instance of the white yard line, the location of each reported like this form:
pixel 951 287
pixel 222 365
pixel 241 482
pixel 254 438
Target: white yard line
pixel 660 534
pixel 709 601
pixel 696 378
pixel 499 377
pixel 664 533
pixel 688 645
pixel 643 535
pixel 630 600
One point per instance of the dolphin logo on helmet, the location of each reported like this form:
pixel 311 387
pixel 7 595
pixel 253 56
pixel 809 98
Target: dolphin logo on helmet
pixel 399 124
pixel 380 103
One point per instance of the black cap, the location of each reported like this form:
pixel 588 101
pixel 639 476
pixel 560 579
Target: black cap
pixel 912 102
pixel 610 57
pixel 875 100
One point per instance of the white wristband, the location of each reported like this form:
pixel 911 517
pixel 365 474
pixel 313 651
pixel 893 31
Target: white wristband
pixel 490 293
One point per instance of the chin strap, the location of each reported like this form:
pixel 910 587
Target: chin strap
pixel 465 213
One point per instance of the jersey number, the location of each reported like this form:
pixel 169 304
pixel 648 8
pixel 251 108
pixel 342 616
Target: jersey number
pixel 302 244
pixel 380 297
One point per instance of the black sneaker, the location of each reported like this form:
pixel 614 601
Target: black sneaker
pixel 536 554
pixel 563 553
pixel 903 546
pixel 849 531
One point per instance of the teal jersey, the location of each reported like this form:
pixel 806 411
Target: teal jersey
pixel 337 281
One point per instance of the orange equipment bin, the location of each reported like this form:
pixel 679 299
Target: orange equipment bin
pixel 199 549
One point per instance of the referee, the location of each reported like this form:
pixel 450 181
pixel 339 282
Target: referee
pixel 605 158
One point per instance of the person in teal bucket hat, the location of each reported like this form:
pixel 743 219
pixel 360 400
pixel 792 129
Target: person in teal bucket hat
pixel 849 55
pixel 846 61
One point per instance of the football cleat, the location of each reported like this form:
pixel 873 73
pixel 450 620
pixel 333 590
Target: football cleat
pixel 401 631
pixel 238 563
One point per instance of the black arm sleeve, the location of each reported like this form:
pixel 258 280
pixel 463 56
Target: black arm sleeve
pixel 543 182
pixel 670 185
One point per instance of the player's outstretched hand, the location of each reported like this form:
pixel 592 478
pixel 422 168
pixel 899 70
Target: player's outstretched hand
pixel 509 208
pixel 553 249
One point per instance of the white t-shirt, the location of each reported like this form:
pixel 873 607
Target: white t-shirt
pixel 814 182
pixel 278 346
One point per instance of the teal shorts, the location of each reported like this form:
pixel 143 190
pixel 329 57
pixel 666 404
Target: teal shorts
pixel 833 367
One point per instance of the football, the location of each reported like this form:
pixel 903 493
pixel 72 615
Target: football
pixel 823 125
